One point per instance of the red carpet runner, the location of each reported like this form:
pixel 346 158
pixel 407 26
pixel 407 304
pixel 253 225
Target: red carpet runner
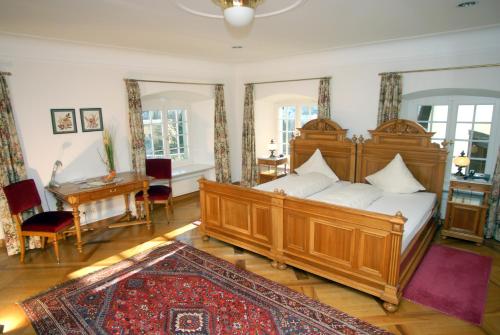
pixel 177 289
pixel 452 281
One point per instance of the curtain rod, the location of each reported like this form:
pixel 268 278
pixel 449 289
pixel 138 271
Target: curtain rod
pixel 173 82
pixel 5 73
pixel 286 81
pixel 443 69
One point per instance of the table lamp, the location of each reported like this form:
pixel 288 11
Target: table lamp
pixel 57 165
pixel 272 148
pixel 461 162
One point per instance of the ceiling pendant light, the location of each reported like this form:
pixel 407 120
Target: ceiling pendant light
pixel 238 13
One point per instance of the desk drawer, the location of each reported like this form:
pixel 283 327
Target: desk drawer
pixel 110 191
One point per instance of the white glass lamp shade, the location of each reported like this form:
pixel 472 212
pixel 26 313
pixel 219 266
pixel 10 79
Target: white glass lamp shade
pixel 462 161
pixel 272 146
pixel 239 16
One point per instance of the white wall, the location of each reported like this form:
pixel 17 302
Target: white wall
pixel 47 74
pixel 355 81
pixel 267 121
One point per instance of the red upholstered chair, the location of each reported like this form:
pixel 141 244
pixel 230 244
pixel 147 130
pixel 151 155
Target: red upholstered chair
pixel 158 168
pixel 22 196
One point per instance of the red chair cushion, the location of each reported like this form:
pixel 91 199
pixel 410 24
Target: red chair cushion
pixel 22 196
pixel 155 192
pixel 48 221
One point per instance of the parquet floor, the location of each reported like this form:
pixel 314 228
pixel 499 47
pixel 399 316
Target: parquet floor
pixel 106 246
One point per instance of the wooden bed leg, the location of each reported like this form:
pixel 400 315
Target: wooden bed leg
pixel 391 308
pixel 205 238
pixel 278 265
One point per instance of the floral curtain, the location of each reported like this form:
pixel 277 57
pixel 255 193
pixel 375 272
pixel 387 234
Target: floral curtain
pixel 493 224
pixel 249 166
pixel 324 99
pixel 11 170
pixel 221 146
pixel 136 126
pixel 389 104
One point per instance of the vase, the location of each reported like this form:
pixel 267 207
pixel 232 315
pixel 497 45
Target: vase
pixel 110 176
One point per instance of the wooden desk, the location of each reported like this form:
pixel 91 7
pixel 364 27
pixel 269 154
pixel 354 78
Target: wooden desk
pixel 75 195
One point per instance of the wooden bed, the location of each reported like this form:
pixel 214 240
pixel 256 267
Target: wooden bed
pixel 357 248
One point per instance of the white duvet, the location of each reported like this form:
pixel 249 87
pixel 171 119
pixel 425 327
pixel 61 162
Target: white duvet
pixel 357 195
pixel 298 186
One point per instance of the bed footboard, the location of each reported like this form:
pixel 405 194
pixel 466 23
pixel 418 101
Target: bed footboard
pixel 357 248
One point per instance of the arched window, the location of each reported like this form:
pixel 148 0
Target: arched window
pixel 470 123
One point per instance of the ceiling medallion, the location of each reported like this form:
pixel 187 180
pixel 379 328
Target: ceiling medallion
pixel 239 13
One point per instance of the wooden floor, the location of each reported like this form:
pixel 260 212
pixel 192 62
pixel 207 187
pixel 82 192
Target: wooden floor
pixel 107 246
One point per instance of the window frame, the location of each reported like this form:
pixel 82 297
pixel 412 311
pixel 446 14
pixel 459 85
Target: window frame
pixel 150 126
pixel 298 104
pixel 410 111
pixel 185 132
pixel 165 138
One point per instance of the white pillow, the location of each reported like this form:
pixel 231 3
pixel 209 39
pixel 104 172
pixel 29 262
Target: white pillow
pixel 300 186
pixel 316 163
pixel 395 178
pixel 354 195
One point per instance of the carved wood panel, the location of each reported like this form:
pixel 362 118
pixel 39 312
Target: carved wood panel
pixel 332 242
pixel 262 223
pixel 236 215
pixel 465 219
pixel 295 233
pixel 373 252
pixel 212 210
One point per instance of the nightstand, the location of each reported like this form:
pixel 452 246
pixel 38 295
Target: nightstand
pixel 466 209
pixel 271 168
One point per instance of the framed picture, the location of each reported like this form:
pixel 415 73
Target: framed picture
pixel 63 121
pixel 91 119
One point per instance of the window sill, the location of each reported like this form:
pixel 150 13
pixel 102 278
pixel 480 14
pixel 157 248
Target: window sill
pixel 190 171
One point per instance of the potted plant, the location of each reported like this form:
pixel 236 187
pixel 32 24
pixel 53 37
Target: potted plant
pixel 109 152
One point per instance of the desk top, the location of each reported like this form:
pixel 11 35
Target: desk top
pixel 272 160
pixel 68 189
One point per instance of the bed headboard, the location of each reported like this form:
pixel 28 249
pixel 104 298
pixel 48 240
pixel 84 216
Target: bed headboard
pixel 426 160
pixel 326 135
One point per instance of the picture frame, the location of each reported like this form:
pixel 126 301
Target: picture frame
pixel 91 119
pixel 63 120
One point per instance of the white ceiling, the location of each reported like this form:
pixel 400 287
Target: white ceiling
pixel 316 25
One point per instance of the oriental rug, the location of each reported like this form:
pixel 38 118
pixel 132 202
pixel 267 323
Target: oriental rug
pixel 177 289
pixel 451 281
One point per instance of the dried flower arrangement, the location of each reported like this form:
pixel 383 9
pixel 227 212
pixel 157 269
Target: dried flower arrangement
pixel 109 160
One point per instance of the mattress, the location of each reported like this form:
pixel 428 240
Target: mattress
pixel 416 207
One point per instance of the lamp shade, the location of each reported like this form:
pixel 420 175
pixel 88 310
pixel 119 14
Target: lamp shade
pixel 461 161
pixel 239 16
pixel 272 145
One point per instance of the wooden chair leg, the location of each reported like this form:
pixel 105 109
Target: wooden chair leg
pixel 44 241
pixel 138 208
pixel 171 202
pixel 56 248
pixel 22 247
pixel 166 212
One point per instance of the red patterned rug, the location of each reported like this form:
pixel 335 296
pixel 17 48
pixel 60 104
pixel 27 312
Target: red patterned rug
pixel 177 289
